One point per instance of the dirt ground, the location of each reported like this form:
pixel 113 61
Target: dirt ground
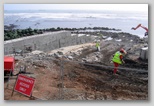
pixel 70 80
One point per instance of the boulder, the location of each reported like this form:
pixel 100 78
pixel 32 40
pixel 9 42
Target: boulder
pixel 37 52
pixel 70 57
pixel 57 55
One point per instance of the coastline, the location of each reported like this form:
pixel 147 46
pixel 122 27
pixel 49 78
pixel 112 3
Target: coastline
pixel 11 32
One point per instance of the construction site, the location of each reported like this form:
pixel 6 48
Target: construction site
pixel 67 66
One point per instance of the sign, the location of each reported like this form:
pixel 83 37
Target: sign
pixel 24 85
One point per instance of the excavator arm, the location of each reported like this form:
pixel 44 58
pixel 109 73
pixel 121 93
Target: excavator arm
pixel 145 28
pixel 139 25
pixel 136 27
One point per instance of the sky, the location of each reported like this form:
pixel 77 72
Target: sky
pixel 115 7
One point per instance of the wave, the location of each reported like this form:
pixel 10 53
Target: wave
pixel 75 16
pixel 124 21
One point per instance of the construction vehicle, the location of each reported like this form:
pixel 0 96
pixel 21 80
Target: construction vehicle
pixel 145 28
pixel 9 63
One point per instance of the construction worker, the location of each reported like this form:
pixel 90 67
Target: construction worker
pixel 118 59
pixel 98 46
pixel 145 28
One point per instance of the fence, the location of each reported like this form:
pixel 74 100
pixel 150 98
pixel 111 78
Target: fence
pixel 63 79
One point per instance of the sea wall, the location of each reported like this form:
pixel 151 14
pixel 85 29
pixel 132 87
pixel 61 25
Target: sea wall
pixel 45 42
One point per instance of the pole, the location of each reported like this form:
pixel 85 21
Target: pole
pixel 14 86
pixel 8 79
pixel 62 77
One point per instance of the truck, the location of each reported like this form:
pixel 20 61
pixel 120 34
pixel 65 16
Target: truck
pixel 9 63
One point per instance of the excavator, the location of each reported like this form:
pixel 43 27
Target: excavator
pixel 145 28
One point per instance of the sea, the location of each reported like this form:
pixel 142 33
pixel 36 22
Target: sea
pixel 40 19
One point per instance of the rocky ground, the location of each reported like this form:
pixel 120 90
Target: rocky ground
pixel 76 72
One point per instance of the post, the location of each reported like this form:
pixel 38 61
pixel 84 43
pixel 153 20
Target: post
pixel 61 78
pixel 8 79
pixel 14 86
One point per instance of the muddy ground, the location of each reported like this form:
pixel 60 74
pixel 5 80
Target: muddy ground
pixel 77 74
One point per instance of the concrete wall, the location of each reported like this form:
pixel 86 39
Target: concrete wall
pixel 45 42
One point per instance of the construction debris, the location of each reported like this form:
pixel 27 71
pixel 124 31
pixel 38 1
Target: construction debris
pixel 71 73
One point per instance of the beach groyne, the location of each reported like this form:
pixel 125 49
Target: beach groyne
pixel 46 42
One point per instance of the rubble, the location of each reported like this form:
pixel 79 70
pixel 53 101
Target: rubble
pixel 37 52
pixel 77 81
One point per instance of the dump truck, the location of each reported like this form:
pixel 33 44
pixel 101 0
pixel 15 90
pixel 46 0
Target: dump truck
pixel 9 63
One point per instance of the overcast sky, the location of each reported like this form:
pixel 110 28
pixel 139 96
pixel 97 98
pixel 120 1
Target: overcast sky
pixel 121 7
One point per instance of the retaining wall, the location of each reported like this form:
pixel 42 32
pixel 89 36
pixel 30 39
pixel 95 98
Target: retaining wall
pixel 45 42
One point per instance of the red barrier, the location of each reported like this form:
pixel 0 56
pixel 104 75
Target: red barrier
pixel 9 63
